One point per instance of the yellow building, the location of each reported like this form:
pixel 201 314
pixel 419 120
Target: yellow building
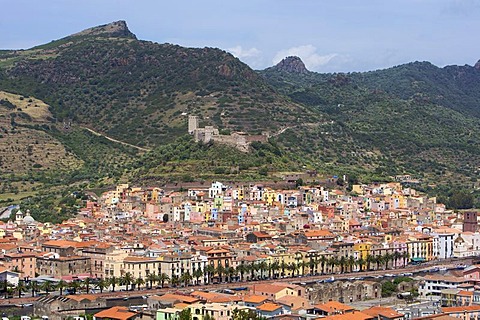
pixel 269 196
pixel 363 249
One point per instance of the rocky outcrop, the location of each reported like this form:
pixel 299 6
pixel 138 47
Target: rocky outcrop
pixel 292 64
pixel 477 65
pixel 116 29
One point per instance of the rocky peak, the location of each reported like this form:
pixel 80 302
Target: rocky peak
pixel 117 29
pixel 477 65
pixel 292 64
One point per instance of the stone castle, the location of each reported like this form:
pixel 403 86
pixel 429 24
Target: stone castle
pixel 239 140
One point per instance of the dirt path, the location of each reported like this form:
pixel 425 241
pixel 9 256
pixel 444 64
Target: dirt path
pixel 117 141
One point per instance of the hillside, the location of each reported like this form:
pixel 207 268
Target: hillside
pixel 100 106
pixel 139 91
pixel 413 119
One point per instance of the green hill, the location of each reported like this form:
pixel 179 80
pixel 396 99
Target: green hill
pixel 413 119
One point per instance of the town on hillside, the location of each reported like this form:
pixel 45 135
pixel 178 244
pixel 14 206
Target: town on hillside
pixel 245 251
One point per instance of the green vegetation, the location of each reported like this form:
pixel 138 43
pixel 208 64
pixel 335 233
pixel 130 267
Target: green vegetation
pixel 414 119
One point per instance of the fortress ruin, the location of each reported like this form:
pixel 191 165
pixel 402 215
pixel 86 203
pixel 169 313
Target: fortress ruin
pixel 239 140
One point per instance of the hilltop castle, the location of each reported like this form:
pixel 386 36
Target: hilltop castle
pixel 239 140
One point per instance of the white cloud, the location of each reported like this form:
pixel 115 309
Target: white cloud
pixel 308 54
pixel 240 52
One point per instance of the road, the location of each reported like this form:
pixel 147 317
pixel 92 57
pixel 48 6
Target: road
pixel 115 140
pixel 304 280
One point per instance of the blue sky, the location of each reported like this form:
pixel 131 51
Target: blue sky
pixel 329 35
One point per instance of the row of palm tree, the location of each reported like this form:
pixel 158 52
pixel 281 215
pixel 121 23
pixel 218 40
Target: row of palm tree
pixel 247 271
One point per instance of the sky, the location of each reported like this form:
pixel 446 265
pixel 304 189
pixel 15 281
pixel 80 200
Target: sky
pixel 328 35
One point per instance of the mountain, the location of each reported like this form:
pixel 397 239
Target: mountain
pixel 137 91
pixel 414 119
pixel 100 106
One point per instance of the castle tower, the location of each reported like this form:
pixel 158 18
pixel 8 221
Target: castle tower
pixel 192 124
pixel 470 221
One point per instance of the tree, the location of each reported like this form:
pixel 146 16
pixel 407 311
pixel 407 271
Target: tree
pixel 323 262
pixel 220 270
pixel 34 287
pixel 241 269
pixel 197 274
pixel 102 284
pixel 283 266
pixel 209 270
pixel 87 283
pixel 62 284
pixel 46 286
pixel 175 280
pixel 151 278
pixel 186 277
pixel 185 314
pixel 113 281
pixel 127 280
pixel 162 277
pixel 139 282
pixel 350 263
pixel 74 286
pixel 21 287
pixel 246 314
pixel 262 266
pixel 388 288
pixel 460 200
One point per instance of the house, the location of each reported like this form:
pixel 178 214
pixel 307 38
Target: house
pixel 463 312
pixel 258 236
pixel 384 313
pixel 9 276
pixel 254 301
pixel 330 308
pixel 115 313
pixel 62 307
pixel 271 309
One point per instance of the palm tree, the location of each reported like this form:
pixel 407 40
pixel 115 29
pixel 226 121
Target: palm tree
pixel 102 284
pixel 302 264
pixel 360 263
pixel 396 255
pixel 34 287
pixel 46 286
pixel 311 265
pixel 139 282
pixel 209 270
pixel 21 287
pixel 87 283
pixel 197 274
pixel 262 266
pixel 379 261
pixel 252 267
pixel 323 262
pixel 186 277
pixel 342 262
pixel 151 278
pixel 174 280
pixel 369 260
pixel 113 282
pixel 241 269
pixel 62 284
pixel 405 257
pixel 387 258
pixel 272 270
pixel 351 263
pixel 292 266
pixel 74 286
pixel 332 262
pixel 127 279
pixel 283 266
pixel 162 277
pixel 220 270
